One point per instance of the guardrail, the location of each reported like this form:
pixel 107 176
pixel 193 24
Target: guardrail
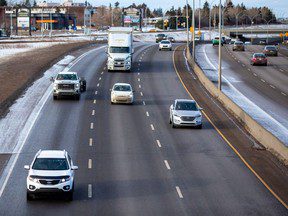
pixel 266 138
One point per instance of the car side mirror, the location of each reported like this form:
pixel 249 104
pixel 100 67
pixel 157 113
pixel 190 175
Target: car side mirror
pixel 74 168
pixel 200 108
pixel 172 107
pixel 27 167
pixel 52 79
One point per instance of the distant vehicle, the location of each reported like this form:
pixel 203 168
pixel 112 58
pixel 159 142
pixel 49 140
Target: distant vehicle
pixel 171 39
pixel 239 46
pixel 165 44
pixel 120 49
pixel 51 171
pixel 215 41
pixel 185 113
pixel 258 59
pixel 160 37
pixel 270 51
pixel 68 84
pixel 247 43
pixel 262 42
pixel 122 93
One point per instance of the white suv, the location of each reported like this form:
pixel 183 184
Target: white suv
pixel 51 171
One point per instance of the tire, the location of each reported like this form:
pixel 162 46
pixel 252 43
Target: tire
pixel 29 197
pixel 265 64
pixel 77 97
pixel 171 49
pixel 173 125
pixel 199 126
pixel 55 97
pixel 69 196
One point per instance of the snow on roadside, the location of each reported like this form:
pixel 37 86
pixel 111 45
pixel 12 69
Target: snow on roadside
pixel 263 118
pixel 12 125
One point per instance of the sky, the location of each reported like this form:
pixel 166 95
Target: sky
pixel 279 7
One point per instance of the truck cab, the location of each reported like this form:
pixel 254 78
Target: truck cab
pixel 120 49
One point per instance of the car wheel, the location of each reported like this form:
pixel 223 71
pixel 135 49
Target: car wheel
pixel 173 125
pixel 265 64
pixel 77 97
pixel 55 97
pixel 70 196
pixel 199 126
pixel 29 197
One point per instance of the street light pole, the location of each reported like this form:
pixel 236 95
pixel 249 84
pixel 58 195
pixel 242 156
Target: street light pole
pixel 50 34
pixel 193 31
pixel 220 53
pixel 11 22
pixel 187 24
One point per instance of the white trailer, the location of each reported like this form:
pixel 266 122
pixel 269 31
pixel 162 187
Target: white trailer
pixel 120 49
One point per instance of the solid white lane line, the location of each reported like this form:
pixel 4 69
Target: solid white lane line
pixel 179 192
pixel 167 164
pixel 90 142
pixel 90 164
pixel 283 93
pixel 94 101
pixel 93 112
pixel 147 114
pixel 89 190
pixel 263 80
pixel 152 127
pixel 138 79
pixel 144 103
pixel 91 126
pixel 238 61
pixel 158 143
pixel 139 86
pixel 141 93
pixel 272 86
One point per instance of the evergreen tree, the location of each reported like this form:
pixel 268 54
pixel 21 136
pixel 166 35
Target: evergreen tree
pixel 117 4
pixel 3 3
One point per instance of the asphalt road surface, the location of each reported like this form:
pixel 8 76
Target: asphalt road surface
pixel 139 165
pixel 264 86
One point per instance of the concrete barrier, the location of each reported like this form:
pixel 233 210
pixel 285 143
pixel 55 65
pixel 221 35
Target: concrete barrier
pixel 266 138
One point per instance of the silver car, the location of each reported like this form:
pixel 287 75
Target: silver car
pixel 185 113
pixel 122 93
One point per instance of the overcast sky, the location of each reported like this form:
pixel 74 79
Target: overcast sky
pixel 280 7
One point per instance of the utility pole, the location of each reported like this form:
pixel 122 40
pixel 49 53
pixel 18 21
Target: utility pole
pixel 11 22
pixel 199 25
pixel 187 24
pixel 193 30
pixel 220 49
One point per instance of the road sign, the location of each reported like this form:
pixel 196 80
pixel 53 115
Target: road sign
pixel 281 35
pixel 199 33
pixel 191 29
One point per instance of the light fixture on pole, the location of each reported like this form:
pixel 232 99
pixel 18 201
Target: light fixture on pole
pixel 220 46
pixel 187 24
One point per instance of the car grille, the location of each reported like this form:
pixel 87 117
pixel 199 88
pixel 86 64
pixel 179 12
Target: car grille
pixel 119 63
pixel 65 86
pixel 187 118
pixel 49 182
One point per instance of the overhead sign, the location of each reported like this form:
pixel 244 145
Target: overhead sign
pixel 131 15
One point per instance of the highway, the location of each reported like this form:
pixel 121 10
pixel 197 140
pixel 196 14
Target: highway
pixel 264 86
pixel 131 161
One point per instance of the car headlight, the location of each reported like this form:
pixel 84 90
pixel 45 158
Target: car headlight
pixel 65 179
pixel 33 179
pixel 77 86
pixel 55 86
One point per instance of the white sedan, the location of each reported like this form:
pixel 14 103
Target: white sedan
pixel 165 44
pixel 122 93
pixel 185 113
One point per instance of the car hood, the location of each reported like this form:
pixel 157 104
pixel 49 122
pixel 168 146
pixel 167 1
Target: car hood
pixel 66 81
pixel 187 113
pixel 122 93
pixel 49 172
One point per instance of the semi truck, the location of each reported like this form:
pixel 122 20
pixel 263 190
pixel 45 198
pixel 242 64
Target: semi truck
pixel 120 49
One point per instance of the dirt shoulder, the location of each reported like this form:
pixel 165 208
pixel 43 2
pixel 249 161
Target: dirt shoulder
pixel 21 70
pixel 266 165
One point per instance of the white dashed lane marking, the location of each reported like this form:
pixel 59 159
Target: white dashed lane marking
pixel 91 126
pixel 179 192
pixel 147 114
pixel 152 127
pixel 90 142
pixel 283 93
pixel 158 143
pixel 93 112
pixel 139 86
pixel 90 164
pixel 263 80
pixel 89 190
pixel 144 103
pixel 141 93
pixel 167 164
pixel 94 101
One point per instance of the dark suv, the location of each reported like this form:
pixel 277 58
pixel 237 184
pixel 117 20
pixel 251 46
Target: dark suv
pixel 160 37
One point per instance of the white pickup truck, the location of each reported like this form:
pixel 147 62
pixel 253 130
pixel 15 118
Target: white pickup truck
pixel 68 84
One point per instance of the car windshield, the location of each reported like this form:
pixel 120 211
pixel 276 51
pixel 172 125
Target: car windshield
pixel 186 106
pixel 165 42
pixel 119 49
pixel 270 48
pixel 50 164
pixel 216 38
pixel 160 35
pixel 259 55
pixel 122 88
pixel 66 77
